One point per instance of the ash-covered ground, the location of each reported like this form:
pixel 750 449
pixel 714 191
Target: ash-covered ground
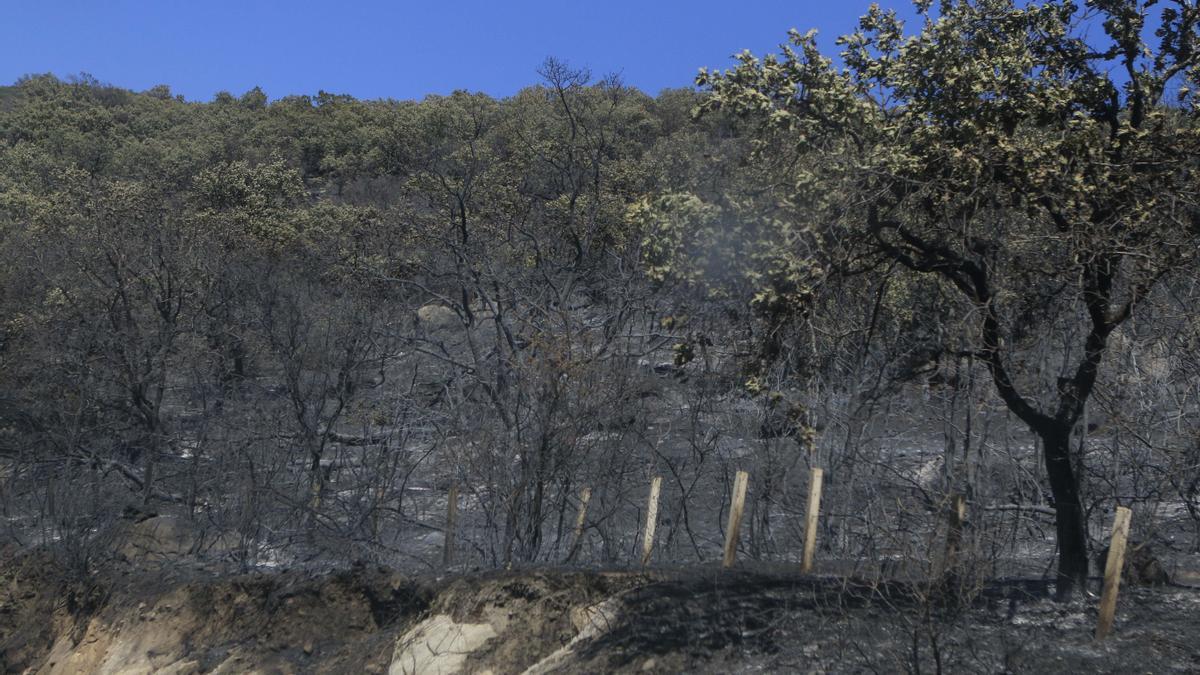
pixel 185 618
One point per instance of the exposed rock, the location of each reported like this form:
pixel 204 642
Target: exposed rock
pixel 163 537
pixel 436 317
pixel 592 622
pixel 439 646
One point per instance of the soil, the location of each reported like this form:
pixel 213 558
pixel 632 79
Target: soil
pixel 130 617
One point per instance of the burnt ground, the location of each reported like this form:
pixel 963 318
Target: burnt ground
pixel 183 618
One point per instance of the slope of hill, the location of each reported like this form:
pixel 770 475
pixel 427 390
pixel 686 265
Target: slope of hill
pixel 179 619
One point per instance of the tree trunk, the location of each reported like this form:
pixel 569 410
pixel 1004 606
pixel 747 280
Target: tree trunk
pixel 316 484
pixel 148 474
pixel 1068 510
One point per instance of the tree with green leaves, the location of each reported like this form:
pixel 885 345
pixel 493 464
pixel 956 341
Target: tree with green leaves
pixel 1051 182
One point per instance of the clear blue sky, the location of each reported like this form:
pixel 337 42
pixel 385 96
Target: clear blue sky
pixel 397 49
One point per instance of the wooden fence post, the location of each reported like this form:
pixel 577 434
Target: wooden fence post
pixel 651 520
pixel 956 518
pixel 736 506
pixel 585 496
pixel 1112 572
pixel 810 526
pixel 451 522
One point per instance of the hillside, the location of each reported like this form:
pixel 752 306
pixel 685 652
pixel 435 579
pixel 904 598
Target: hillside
pixel 892 328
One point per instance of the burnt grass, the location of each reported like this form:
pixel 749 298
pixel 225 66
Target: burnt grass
pixel 722 621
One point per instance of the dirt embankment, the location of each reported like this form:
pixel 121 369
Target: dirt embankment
pixel 134 618
pixel 129 618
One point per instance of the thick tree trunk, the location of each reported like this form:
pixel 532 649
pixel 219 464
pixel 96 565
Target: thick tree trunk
pixel 1068 511
pixel 969 273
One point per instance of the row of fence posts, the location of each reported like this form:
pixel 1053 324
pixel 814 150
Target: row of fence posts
pixel 957 518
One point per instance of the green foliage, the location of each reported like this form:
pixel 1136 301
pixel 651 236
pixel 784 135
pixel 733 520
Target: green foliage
pixel 994 135
pixel 254 205
pixel 998 151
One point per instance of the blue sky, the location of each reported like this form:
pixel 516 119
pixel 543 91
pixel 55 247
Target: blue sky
pixel 396 49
